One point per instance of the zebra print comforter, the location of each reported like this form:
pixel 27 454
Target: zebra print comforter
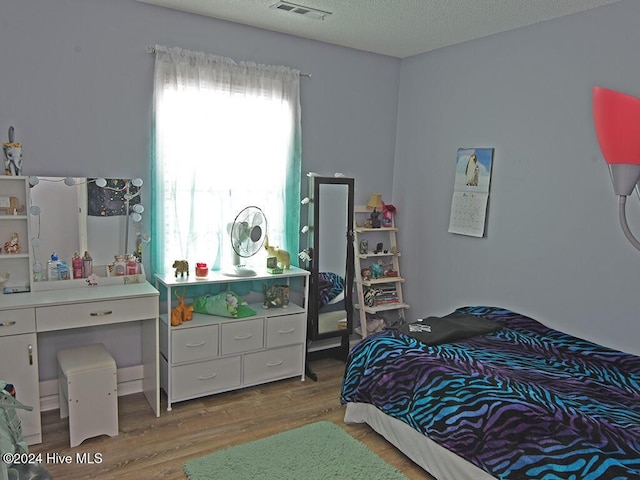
pixel 524 402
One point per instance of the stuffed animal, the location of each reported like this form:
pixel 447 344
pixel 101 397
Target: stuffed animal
pixel 182 267
pixel 376 270
pixel 283 257
pixel 182 313
pixel 13 245
pixel 232 304
pixel 275 296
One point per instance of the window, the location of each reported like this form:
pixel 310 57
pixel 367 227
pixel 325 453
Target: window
pixel 226 136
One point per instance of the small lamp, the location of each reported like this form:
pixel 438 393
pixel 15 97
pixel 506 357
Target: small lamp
pixel 616 117
pixel 375 202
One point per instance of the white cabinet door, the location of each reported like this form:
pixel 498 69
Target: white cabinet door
pixel 19 366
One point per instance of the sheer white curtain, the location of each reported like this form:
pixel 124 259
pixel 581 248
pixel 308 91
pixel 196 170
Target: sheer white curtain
pixel 226 136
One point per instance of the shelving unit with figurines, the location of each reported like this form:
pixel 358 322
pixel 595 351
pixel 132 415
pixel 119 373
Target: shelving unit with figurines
pixel 15 264
pixel 377 270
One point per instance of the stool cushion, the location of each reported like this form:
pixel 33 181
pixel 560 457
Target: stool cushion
pixel 83 359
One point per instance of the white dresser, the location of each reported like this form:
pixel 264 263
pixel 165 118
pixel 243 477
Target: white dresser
pixel 212 354
pixel 24 315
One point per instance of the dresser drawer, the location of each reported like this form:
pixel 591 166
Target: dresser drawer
pixel 95 313
pixel 13 322
pixel 286 330
pixel 196 343
pixel 205 377
pixel 273 364
pixel 242 336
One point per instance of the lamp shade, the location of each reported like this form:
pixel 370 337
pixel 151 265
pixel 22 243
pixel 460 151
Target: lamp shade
pixel 616 117
pixel 375 201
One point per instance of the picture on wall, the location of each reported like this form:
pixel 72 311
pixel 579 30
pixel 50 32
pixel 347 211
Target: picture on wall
pixel 470 200
pixel 110 200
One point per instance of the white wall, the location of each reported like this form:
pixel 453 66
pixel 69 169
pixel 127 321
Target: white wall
pixel 76 83
pixel 553 249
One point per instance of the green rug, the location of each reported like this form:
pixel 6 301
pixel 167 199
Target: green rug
pixel 318 451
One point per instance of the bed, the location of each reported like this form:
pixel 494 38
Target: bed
pixel 522 401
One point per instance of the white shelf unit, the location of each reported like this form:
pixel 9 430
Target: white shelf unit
pixel 17 266
pixel 212 354
pixel 391 297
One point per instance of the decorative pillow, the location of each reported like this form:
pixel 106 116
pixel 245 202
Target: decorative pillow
pixel 226 304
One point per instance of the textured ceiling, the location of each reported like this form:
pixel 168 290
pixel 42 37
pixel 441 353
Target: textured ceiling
pixel 398 28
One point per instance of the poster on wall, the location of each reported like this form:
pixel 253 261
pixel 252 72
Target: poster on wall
pixel 471 191
pixel 110 200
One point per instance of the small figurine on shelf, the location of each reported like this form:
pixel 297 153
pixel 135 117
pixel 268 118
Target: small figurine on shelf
pixel 92 280
pixel 376 269
pixel 375 219
pixel 12 156
pixel 13 245
pixel 182 312
pixel 388 211
pixel 182 267
pixel 282 256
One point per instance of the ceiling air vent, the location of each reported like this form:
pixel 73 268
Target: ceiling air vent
pixel 301 10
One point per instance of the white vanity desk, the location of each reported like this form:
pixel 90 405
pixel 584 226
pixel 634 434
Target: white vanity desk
pixel 24 315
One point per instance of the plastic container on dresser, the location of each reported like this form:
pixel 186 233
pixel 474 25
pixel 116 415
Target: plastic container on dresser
pixel 15 262
pixel 377 273
pixel 212 354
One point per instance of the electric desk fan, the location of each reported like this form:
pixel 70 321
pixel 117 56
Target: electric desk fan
pixel 247 233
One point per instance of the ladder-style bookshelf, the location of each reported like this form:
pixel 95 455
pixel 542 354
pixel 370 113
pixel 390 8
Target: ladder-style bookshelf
pixel 377 272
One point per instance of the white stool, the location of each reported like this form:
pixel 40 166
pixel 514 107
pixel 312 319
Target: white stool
pixel 88 392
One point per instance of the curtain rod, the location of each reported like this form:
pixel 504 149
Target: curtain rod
pixel 153 50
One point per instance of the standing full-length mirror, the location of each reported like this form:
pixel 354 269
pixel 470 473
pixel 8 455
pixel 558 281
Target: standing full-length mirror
pixel 330 306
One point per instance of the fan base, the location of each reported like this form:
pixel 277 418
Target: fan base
pixel 240 271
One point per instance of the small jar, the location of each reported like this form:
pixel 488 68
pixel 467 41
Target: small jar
pixel 201 270
pixel 119 266
pixel 87 265
pixel 132 265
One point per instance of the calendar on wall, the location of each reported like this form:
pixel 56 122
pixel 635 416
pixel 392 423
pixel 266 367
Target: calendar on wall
pixel 471 191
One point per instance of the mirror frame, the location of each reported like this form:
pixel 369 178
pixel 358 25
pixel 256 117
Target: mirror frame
pixel 314 294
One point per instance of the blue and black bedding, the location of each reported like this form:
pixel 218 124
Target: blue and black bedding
pixel 521 402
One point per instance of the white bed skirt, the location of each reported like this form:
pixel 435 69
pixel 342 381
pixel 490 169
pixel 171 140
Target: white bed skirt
pixel 435 459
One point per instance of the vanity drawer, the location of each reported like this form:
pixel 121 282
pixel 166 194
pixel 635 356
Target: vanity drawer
pixel 242 336
pixel 95 313
pixel 205 377
pixel 286 330
pixel 194 343
pixel 21 320
pixel 272 364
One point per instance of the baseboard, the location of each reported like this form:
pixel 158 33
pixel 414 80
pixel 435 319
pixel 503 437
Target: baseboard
pixel 129 381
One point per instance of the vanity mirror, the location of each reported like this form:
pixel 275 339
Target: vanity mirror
pixel 95 215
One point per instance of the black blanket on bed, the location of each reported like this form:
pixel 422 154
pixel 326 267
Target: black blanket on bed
pixel 451 328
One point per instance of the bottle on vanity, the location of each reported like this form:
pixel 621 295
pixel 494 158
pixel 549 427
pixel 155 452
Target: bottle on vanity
pixel 52 267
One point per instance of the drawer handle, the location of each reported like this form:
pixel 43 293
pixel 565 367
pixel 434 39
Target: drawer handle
pixel 275 364
pixel 284 332
pixel 10 323
pixel 196 344
pixel 208 377
pixel 101 314
pixel 243 337
pixel 30 348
